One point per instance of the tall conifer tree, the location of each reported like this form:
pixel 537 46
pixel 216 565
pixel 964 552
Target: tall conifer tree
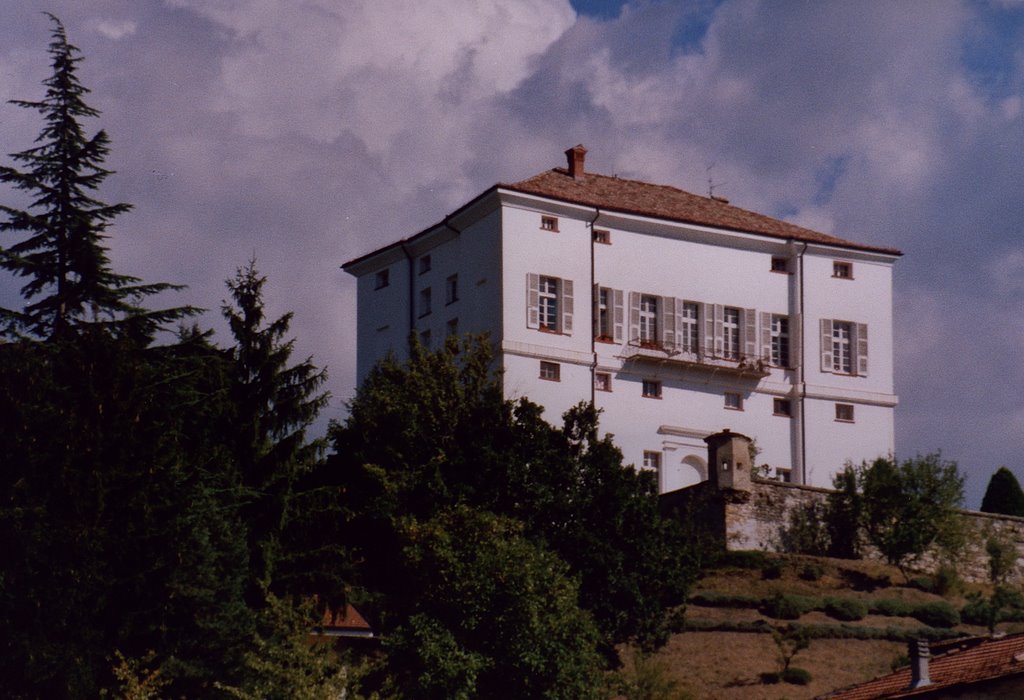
pixel 1003 494
pixel 62 254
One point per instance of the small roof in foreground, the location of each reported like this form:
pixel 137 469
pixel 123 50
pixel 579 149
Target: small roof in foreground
pixel 666 202
pixel 985 660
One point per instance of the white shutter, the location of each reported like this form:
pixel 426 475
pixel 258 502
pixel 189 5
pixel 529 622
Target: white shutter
pixel 566 289
pixel 680 305
pixel 766 336
pixel 532 300
pixel 617 319
pixel 796 347
pixel 719 330
pixel 707 313
pixel 749 333
pixel 826 345
pixel 634 316
pixel 667 307
pixel 862 349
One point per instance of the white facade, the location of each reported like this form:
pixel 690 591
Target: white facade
pixel 785 338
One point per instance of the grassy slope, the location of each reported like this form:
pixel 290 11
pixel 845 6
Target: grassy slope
pixel 729 664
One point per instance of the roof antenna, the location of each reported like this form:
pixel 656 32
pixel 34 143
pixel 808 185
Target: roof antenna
pixel 711 183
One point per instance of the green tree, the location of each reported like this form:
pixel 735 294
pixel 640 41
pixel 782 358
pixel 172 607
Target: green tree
pixel 453 438
pixel 909 506
pixel 62 253
pixel 843 514
pixel 485 613
pixel 274 403
pixel 1003 494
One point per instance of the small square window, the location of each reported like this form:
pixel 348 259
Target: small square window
pixel 602 381
pixel 780 264
pixel 425 264
pixel 382 279
pixel 452 327
pixel 844 412
pixel 602 236
pixel 451 289
pixel 733 401
pixel 425 339
pixel 782 407
pixel 842 270
pixel 783 474
pixel 424 301
pixel 552 371
pixel 549 223
pixel 652 388
pixel 652 459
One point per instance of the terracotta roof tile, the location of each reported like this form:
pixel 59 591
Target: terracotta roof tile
pixel 989 659
pixel 347 618
pixel 665 202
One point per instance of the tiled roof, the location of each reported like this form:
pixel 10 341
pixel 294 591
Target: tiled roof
pixel 987 660
pixel 347 618
pixel 665 202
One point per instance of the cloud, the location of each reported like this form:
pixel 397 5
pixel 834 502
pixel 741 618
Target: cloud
pixel 115 29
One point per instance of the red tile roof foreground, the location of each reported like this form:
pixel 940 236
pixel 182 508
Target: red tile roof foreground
pixel 347 618
pixel 989 659
pixel 665 202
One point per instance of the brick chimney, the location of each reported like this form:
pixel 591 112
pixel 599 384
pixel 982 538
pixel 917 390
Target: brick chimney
pixel 919 656
pixel 576 155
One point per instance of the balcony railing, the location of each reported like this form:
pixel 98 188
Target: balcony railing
pixel 637 350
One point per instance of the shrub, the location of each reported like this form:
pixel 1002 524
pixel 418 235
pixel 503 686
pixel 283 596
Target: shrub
pixel 771 678
pixel 771 570
pixel 845 609
pixel 937 614
pixel 891 607
pixel 923 583
pixel 805 531
pixel 711 599
pixel 947 580
pixel 979 611
pixel 746 559
pixel 812 571
pixel 796 676
pixel 784 606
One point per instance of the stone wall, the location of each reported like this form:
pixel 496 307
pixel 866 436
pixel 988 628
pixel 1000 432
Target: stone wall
pixel 757 520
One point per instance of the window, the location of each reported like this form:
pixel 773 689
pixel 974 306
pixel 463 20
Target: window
pixel 608 315
pixel 780 264
pixel 602 381
pixel 451 289
pixel 731 333
pixel 652 389
pixel 733 401
pixel 844 347
pixel 549 223
pixel 841 336
pixel 652 460
pixel 780 341
pixel 549 304
pixel 689 335
pixel 602 236
pixel 648 319
pixel 425 339
pixel 842 270
pixel 382 279
pixel 424 264
pixel 551 371
pixel 844 412
pixel 782 407
pixel 452 327
pixel 424 301
pixel 783 474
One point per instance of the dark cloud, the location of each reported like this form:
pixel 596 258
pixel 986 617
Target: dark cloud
pixel 311 132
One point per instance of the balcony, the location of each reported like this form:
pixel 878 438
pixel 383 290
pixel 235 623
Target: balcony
pixel 668 354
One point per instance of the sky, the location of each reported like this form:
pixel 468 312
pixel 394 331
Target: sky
pixel 309 132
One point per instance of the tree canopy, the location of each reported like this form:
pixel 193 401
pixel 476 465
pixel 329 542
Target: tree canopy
pixel 62 252
pixel 1003 494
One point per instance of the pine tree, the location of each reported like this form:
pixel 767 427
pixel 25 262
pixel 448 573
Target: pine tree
pixel 1003 494
pixel 63 255
pixel 275 405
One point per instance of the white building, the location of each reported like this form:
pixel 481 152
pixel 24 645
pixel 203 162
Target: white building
pixel 677 314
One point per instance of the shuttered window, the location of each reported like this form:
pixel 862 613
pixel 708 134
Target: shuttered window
pixel 608 314
pixel 549 303
pixel 844 347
